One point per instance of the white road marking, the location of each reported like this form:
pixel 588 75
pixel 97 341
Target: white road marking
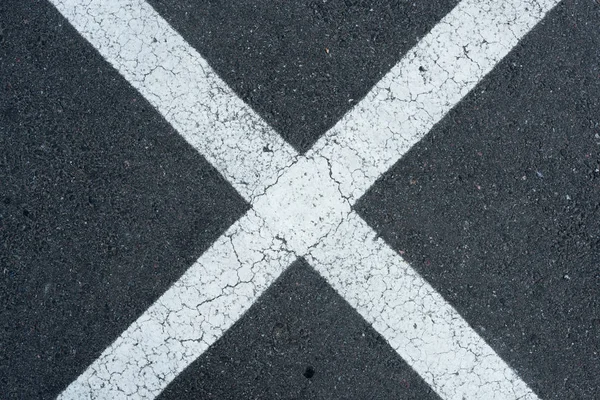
pixel 415 320
pixel 180 84
pixel 189 317
pixel 318 223
pixel 418 91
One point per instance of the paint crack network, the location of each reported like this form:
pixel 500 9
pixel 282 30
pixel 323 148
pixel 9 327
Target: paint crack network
pixel 301 205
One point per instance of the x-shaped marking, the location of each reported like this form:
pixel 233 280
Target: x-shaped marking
pixel 301 204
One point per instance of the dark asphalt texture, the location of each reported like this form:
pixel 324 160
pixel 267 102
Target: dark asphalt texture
pixel 302 64
pixel 498 207
pixel 103 205
pixel 301 340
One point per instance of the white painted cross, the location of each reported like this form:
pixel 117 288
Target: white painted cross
pixel 301 204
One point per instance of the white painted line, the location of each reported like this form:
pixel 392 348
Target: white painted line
pixel 415 320
pixel 308 210
pixel 188 318
pixel 180 84
pixel 429 80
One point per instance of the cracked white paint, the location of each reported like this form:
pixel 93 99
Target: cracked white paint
pixel 418 91
pixel 180 84
pixel 416 321
pixel 212 294
pixel 302 204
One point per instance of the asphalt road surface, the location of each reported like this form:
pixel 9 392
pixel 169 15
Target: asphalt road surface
pixel 316 199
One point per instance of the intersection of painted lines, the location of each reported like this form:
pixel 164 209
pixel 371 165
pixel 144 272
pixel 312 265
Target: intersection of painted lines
pixel 302 205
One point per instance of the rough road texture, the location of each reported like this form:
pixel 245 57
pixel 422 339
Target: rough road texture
pixel 102 204
pixel 300 340
pixel 302 205
pixel 512 176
